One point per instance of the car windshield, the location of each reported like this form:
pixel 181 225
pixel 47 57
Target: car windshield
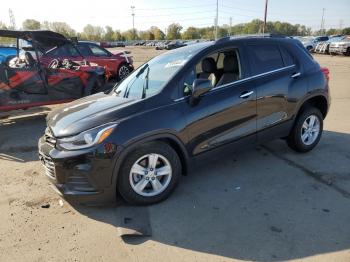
pixel 151 77
pixel 306 39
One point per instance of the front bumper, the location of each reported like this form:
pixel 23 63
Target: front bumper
pixel 338 49
pixel 83 176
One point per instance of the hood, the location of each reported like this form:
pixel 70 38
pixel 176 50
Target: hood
pixel 343 43
pixel 89 112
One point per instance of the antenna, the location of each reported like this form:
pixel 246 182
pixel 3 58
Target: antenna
pixel 12 20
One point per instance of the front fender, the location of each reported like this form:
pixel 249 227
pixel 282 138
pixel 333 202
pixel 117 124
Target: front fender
pixel 144 138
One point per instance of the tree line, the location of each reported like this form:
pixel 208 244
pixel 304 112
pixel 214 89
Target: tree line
pixel 174 31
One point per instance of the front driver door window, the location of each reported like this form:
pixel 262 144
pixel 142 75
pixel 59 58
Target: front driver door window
pixel 97 51
pixel 223 115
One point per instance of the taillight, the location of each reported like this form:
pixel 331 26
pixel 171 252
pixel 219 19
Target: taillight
pixel 325 71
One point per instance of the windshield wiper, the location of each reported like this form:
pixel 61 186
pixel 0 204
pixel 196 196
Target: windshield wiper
pixel 145 84
pixel 126 94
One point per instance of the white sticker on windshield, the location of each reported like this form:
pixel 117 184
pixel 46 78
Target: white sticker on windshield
pixel 175 63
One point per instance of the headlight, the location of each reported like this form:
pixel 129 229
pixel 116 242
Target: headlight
pixel 87 138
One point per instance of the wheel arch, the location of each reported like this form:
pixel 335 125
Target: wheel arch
pixel 319 101
pixel 168 138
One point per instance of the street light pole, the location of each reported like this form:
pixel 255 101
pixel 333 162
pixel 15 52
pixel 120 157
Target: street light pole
pixel 216 19
pixel 322 22
pixel 264 27
pixel 133 23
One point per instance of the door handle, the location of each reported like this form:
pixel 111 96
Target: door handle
pixel 246 94
pixel 295 75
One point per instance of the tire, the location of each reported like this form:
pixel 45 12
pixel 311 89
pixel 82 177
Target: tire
pixel 129 182
pixel 99 85
pixel 123 71
pixel 347 53
pixel 295 140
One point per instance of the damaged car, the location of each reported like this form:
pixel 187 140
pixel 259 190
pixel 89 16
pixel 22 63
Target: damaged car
pixel 27 81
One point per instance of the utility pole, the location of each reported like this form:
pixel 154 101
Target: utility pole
pixel 322 21
pixel 133 23
pixel 12 20
pixel 229 31
pixel 265 16
pixel 216 19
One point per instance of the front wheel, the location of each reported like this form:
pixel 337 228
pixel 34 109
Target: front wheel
pixel 307 130
pixel 149 174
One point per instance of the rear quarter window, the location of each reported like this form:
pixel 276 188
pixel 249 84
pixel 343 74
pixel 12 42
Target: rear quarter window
pixel 264 58
pixel 288 58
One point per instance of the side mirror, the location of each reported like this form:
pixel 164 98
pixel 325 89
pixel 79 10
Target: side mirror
pixel 199 87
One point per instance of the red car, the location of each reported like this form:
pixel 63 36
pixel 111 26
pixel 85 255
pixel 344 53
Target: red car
pixel 27 82
pixel 118 65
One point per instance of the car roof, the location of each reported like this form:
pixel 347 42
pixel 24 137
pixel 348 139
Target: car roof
pixel 43 37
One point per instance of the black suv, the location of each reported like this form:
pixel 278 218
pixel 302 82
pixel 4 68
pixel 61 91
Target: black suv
pixel 140 137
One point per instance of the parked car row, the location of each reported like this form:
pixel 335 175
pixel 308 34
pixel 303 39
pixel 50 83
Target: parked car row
pixel 333 45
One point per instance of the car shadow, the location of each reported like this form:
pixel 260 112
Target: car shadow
pixel 19 137
pixel 249 205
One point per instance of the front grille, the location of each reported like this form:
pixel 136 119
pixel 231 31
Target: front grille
pixel 49 137
pixel 48 165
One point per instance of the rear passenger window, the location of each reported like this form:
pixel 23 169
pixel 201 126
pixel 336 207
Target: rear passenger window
pixel 265 58
pixel 288 59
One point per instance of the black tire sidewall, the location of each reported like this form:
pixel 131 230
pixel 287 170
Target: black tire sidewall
pixel 124 186
pixel 294 140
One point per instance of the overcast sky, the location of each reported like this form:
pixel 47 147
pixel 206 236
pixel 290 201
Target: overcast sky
pixel 161 13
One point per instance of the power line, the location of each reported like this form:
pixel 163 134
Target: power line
pixel 178 7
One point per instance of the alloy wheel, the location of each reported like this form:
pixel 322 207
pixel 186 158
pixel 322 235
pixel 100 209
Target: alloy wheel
pixel 310 130
pixel 150 175
pixel 123 72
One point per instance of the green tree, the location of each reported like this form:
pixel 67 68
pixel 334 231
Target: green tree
pixel 109 34
pixel 333 31
pixel 174 31
pixel 59 27
pixel 146 35
pixel 346 31
pixel 3 25
pixel 117 35
pixel 93 33
pixel 129 35
pixel 158 34
pixel 191 33
pixel 31 24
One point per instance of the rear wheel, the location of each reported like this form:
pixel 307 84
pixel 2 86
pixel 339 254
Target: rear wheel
pixel 307 130
pixel 149 174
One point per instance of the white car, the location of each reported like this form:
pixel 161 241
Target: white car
pixel 341 47
pixel 311 42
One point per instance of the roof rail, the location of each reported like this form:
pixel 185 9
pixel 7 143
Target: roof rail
pixel 228 38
